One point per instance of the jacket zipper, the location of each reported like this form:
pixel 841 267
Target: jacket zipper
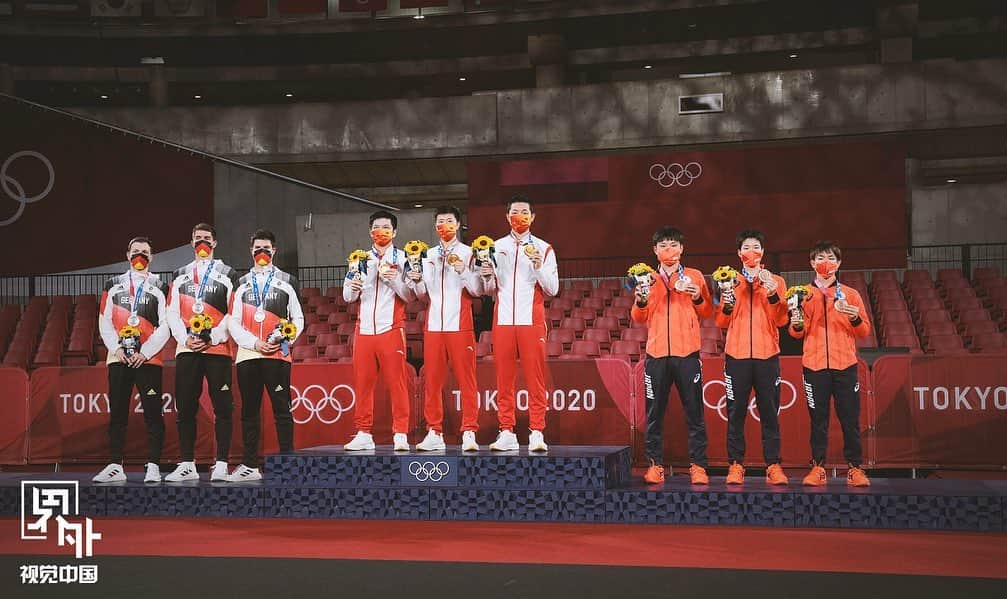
pixel 825 303
pixel 751 320
pixel 513 305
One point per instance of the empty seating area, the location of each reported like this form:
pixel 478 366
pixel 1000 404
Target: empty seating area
pixel 946 314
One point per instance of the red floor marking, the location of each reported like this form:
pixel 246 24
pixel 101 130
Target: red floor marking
pixel 828 550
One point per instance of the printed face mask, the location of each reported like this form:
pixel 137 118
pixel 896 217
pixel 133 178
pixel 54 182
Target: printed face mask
pixel 751 258
pixel 203 248
pixel 520 222
pixel 381 237
pixel 826 269
pixel 262 257
pixel 669 256
pixel 446 231
pixel 139 261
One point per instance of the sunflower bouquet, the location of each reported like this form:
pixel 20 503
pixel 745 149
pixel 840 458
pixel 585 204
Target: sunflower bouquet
pixel 129 339
pixel 796 296
pixel 484 250
pixel 640 276
pixel 357 262
pixel 726 278
pixel 200 326
pixel 416 251
pixel 284 334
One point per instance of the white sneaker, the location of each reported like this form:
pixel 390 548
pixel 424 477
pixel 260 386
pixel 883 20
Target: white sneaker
pixel 469 441
pixel 113 473
pixel 434 441
pixel 360 442
pixel 506 441
pixel 244 474
pixel 153 474
pixel 185 471
pixel 219 472
pixel 401 442
pixel 536 442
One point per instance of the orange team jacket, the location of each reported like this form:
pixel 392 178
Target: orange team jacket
pixel 671 317
pixel 753 325
pixel 830 336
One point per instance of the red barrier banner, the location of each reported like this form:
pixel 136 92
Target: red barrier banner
pixel 68 414
pixel 589 403
pixel 795 423
pixel 14 424
pixel 941 411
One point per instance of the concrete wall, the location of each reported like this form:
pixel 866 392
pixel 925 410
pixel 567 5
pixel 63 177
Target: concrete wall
pixel 333 236
pixel 758 106
pixel 959 213
pixel 245 201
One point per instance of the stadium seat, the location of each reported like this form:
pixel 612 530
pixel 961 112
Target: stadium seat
pixel 586 314
pixel 612 284
pixel 414 350
pixel 562 303
pixel 620 314
pixel 337 318
pixel 574 323
pixel 929 316
pixel 602 336
pixel 989 342
pixel 910 341
pixel 314 330
pixel 912 277
pixel 326 339
pixel 945 344
pixel 325 310
pixel 596 304
pixel 300 353
pixel 346 331
pixel 486 337
pixel 884 275
pixel 583 349
pixel 564 336
pixel 638 335
pixel 939 328
pixel 307 292
pixel 553 349
pixel 887 317
pixel 414 330
pixel 981 327
pixel 554 316
pixel 484 351
pixel 623 302
pixel 335 352
pixel 610 323
pixel 925 303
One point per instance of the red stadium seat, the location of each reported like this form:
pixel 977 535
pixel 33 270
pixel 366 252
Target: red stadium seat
pixel 576 324
pixel 980 327
pixel 945 344
pixel 326 339
pixel 335 352
pixel 595 304
pixel 623 302
pixel 890 298
pixel 564 336
pixel 585 348
pixel 310 292
pixel 638 335
pixel 562 303
pixel 633 349
pixel 607 322
pixel 926 303
pixel 710 347
pixel 334 292
pixel 973 315
pixel 346 331
pixel 554 316
pixel 314 330
pixel 315 301
pixel 989 342
pixel 414 350
pixel 587 314
pixel 300 353
pixel 934 316
pixel 620 314
pixel 414 330
pixel 946 275
pixel 884 275
pixel 337 318
pixel 602 336
pixel 912 277
pixel 486 337
pixel 553 349
pixel 891 316
pixel 325 310
pixel 484 351
pixel 580 284
pixel 910 341
pixel 939 328
pixel 613 284
pixel 966 304
pixel 986 273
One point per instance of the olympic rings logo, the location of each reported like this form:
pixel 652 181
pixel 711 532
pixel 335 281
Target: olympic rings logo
pixel 327 409
pixel 15 191
pixel 721 405
pixel 429 471
pixel 675 174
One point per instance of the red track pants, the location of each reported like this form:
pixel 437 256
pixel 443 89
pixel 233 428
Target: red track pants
pixel 386 351
pixel 529 342
pixel 460 348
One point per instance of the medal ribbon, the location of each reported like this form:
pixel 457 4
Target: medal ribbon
pixel 259 299
pixel 202 285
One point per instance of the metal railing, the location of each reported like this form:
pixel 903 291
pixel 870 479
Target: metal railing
pixel 967 257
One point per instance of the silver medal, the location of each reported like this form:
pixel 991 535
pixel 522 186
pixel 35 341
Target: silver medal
pixel 197 308
pixel 133 320
pixel 260 315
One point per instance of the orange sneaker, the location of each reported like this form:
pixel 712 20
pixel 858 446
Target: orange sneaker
pixel 655 474
pixel 698 475
pixel 816 478
pixel 736 474
pixel 857 478
pixel 775 475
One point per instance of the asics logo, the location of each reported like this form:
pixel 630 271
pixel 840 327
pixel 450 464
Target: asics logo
pixel 721 404
pixel 675 174
pixel 315 402
pixel 429 471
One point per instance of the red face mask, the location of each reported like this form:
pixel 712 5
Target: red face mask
pixel 381 237
pixel 139 261
pixel 446 231
pixel 826 269
pixel 751 258
pixel 203 248
pixel 670 256
pixel 520 223
pixel 262 257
